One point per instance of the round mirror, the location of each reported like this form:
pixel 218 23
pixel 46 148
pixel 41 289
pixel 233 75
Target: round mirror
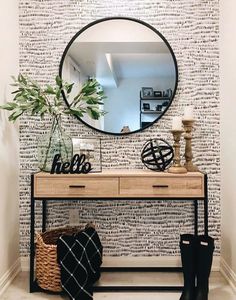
pixel 134 66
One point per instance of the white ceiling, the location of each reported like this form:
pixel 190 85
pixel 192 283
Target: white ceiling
pixel 111 62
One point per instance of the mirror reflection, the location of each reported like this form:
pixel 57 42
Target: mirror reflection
pixel 134 66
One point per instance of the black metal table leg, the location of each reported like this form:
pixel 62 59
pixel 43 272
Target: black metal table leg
pixel 206 204
pixel 44 217
pixel 196 217
pixel 32 220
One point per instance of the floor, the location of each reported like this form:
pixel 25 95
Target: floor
pixel 219 289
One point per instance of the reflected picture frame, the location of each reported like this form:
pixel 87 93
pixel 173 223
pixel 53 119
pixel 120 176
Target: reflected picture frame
pixel 91 148
pixel 146 106
pixel 147 92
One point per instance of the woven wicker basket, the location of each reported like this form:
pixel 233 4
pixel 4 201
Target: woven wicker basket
pixel 48 272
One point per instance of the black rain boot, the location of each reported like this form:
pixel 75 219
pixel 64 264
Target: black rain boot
pixel 205 249
pixel 188 257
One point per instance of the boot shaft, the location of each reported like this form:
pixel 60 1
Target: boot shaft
pixel 188 257
pixel 205 249
pixel 188 254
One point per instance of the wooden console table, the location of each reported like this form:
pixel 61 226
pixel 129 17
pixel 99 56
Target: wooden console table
pixel 122 185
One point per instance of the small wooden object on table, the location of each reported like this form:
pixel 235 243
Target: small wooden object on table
pixel 177 168
pixel 188 126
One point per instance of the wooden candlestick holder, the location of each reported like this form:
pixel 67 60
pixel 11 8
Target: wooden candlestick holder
pixel 177 168
pixel 188 127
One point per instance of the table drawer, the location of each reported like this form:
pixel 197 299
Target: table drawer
pixel 76 187
pixel 162 186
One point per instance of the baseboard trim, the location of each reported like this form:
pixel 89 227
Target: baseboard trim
pixel 228 273
pixel 9 275
pixel 133 261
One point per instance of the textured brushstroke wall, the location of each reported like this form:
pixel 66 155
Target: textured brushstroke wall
pixel 142 228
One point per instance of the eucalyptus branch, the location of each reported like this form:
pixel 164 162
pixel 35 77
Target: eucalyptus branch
pixel 30 98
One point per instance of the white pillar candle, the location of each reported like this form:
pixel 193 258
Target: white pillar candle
pixel 177 123
pixel 188 113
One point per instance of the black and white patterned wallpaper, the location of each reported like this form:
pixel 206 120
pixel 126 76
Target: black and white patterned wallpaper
pixel 139 228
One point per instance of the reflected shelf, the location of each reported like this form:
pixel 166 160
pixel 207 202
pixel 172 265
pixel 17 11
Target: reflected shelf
pixel 155 98
pixel 151 112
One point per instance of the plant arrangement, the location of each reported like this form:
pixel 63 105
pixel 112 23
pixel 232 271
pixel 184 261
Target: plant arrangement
pixel 31 98
pixel 35 100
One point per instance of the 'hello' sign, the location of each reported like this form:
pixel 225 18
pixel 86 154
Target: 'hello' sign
pixel 78 165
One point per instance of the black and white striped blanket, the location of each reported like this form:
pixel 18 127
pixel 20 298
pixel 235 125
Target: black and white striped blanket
pixel 80 258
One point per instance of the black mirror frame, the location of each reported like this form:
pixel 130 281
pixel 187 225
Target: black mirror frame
pixel 140 22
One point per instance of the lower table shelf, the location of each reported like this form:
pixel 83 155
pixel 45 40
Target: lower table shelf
pixel 139 279
pixel 136 279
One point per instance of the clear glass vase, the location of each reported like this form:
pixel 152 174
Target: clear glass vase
pixel 52 143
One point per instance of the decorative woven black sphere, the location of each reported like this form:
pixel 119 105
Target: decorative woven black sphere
pixel 157 154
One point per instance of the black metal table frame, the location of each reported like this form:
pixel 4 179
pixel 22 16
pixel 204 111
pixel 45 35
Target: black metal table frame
pixel 33 282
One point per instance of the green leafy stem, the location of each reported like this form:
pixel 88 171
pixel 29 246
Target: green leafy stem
pixel 30 97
